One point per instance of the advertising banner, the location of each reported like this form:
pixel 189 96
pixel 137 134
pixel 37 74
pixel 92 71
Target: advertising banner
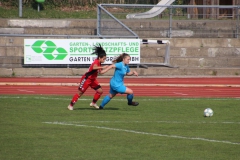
pixel 77 51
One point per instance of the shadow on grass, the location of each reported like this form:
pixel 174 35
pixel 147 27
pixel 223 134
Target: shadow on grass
pixel 96 109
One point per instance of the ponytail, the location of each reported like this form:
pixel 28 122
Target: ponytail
pixel 99 51
pixel 120 57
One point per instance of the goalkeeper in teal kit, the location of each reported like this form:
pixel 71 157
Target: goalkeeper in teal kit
pixel 117 81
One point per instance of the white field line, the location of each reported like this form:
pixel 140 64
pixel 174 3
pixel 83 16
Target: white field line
pixel 124 99
pixel 107 84
pixel 172 122
pixel 144 133
pixel 180 93
pixel 22 90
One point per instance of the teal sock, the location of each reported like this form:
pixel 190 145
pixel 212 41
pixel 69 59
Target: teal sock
pixel 106 99
pixel 130 98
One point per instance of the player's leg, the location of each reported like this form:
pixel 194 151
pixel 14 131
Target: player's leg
pixel 130 96
pixel 107 98
pixel 75 99
pixel 96 86
pixel 84 83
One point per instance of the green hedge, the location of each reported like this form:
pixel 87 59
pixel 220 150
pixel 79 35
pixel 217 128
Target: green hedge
pixel 71 3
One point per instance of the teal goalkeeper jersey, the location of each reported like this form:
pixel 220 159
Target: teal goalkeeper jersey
pixel 120 71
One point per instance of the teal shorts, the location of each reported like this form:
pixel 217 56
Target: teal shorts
pixel 115 90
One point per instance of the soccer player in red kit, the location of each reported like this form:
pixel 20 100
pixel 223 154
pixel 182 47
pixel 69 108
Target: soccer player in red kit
pixel 90 79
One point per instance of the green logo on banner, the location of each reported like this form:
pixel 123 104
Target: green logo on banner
pixel 49 49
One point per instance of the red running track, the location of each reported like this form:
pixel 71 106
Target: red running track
pixel 217 87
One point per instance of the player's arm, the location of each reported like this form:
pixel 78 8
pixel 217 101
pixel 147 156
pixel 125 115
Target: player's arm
pixel 96 67
pixel 131 73
pixel 107 69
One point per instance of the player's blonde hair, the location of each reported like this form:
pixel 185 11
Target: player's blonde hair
pixel 120 57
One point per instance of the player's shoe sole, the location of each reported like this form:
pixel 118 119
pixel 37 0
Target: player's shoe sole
pixel 94 105
pixel 133 104
pixel 70 107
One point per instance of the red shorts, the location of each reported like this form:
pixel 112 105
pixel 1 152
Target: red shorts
pixel 85 83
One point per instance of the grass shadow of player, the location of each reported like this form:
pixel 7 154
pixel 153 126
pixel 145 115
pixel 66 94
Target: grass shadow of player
pixel 107 108
pixel 96 109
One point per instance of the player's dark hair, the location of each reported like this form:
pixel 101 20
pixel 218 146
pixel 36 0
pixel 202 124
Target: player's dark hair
pixel 120 57
pixel 99 51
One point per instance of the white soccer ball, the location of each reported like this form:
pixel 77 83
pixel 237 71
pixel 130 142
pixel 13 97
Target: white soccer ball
pixel 208 112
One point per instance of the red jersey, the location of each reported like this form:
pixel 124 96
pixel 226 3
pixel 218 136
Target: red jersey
pixel 92 74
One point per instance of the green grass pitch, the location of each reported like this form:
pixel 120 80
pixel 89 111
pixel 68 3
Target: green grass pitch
pixel 41 128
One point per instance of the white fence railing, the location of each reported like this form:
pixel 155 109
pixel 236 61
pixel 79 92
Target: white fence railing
pixel 192 19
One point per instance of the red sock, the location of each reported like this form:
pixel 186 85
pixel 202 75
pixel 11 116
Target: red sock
pixel 74 99
pixel 96 97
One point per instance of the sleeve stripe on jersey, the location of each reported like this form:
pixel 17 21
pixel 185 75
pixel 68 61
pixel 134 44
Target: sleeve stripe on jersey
pixel 90 73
